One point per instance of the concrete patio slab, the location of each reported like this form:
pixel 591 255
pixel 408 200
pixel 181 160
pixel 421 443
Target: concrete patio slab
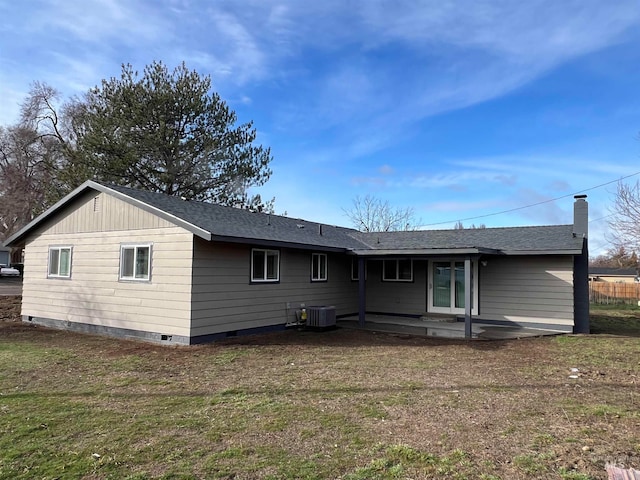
pixel 419 327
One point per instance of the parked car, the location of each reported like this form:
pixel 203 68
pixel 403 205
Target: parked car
pixel 6 271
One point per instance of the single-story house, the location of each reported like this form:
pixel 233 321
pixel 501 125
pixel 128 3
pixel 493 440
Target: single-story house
pixel 613 275
pixel 125 262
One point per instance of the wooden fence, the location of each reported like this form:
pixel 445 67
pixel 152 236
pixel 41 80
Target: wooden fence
pixel 614 293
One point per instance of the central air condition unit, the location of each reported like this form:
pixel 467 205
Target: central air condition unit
pixel 321 316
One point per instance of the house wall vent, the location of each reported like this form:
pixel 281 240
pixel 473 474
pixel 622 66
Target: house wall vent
pixel 321 316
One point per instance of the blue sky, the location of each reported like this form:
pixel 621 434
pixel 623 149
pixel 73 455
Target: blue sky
pixel 458 109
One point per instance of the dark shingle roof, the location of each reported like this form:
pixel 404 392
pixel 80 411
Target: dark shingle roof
pixel 508 239
pixel 235 223
pixel 216 222
pixel 612 271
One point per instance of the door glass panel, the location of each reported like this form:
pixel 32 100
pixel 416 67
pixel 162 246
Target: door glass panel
pixel 441 284
pixel 459 284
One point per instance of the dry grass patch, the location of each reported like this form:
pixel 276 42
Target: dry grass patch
pixel 299 405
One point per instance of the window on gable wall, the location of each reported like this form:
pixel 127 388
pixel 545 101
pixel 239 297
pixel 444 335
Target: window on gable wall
pixel 399 270
pixel 135 262
pixel 318 267
pixel 265 265
pixel 59 262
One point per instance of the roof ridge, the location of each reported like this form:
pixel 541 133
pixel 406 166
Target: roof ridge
pixel 219 205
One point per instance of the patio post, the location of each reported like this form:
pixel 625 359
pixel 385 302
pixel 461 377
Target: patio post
pixel 468 295
pixel 362 304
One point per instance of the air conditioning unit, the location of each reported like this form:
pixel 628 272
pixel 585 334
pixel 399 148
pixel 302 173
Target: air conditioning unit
pixel 321 316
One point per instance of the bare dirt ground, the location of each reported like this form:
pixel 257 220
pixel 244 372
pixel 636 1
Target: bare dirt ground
pixel 10 308
pixel 491 410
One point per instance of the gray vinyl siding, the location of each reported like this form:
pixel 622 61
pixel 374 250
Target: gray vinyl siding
pixel 225 300
pixel 94 294
pixel 527 289
pixel 405 298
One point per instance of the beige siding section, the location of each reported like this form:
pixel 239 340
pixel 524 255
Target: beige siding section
pixel 93 294
pixel 527 290
pixel 407 298
pixel 100 212
pixel 225 300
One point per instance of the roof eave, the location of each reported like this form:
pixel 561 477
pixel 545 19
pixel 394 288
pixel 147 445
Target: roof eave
pixel 200 232
pixel 543 252
pixel 276 243
pixel 414 252
pixel 90 184
pixel 13 239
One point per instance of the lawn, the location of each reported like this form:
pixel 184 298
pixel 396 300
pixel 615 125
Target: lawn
pixel 305 405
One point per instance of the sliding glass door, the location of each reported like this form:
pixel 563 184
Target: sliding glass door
pixel 447 287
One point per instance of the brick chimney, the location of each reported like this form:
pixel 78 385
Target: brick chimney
pixel 581 216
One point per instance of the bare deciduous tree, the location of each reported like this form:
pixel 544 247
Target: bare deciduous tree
pixel 625 220
pixel 617 257
pixel 370 214
pixel 27 163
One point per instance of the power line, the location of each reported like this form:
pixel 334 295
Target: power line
pixel 533 204
pixel 601 218
pixel 602 245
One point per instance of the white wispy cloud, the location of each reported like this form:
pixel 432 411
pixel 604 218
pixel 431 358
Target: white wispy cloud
pixel 363 71
pixel 485 49
pixel 99 21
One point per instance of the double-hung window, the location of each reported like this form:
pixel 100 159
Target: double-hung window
pixel 59 262
pixel 265 265
pixel 135 262
pixel 400 270
pixel 319 267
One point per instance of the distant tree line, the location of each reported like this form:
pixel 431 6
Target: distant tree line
pixel 617 257
pixel 460 226
pixel 164 131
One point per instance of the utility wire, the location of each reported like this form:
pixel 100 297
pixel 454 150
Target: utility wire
pixel 533 204
pixel 601 218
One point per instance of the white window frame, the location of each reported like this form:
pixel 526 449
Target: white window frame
pixel 267 252
pixel 59 249
pixel 452 309
pixel 135 278
pixel 316 262
pixel 396 275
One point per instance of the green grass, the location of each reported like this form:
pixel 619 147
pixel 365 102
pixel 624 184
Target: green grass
pixel 615 320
